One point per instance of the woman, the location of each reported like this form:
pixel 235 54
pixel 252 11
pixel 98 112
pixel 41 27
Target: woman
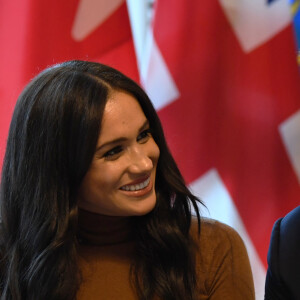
pixel 283 275
pixel 93 205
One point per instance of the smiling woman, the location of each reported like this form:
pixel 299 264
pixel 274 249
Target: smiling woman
pixel 121 177
pixel 93 205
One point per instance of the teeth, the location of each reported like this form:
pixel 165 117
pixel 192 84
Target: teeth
pixel 136 187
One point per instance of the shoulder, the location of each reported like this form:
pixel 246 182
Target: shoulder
pixel 214 233
pixel 216 240
pixel 285 243
pixel 290 227
pixel 283 256
pixel 222 261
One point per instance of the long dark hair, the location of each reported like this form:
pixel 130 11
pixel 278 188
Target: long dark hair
pixel 51 143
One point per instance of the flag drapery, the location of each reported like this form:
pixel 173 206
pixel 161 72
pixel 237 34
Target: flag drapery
pixel 231 110
pixel 35 34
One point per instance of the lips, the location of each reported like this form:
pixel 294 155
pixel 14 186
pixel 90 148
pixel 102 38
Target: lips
pixel 136 186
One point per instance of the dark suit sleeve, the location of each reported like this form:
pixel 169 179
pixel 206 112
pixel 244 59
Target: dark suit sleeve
pixel 274 288
pixel 283 275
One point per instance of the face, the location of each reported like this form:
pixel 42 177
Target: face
pixel 121 178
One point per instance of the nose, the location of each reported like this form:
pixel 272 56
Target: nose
pixel 140 161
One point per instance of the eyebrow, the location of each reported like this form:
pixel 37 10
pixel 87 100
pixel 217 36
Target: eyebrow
pixel 122 139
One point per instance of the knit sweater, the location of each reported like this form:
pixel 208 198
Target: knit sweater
pixel 107 249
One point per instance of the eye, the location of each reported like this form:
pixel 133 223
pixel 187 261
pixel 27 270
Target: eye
pixel 113 153
pixel 144 136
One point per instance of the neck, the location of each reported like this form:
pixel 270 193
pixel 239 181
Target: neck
pixel 100 229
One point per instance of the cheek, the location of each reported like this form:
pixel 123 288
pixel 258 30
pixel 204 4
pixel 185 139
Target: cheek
pixel 96 186
pixel 105 177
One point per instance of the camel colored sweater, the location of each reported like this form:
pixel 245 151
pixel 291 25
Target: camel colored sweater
pixel 107 247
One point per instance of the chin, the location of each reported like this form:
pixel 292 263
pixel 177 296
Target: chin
pixel 144 208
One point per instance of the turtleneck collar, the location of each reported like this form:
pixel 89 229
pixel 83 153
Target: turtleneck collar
pixel 99 229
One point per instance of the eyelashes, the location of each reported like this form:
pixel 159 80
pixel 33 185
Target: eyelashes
pixel 144 135
pixel 116 151
pixel 113 152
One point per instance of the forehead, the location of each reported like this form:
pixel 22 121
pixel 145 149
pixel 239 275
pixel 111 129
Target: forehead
pixel 121 106
pixel 121 114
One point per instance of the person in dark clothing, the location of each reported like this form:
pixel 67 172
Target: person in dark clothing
pixel 283 274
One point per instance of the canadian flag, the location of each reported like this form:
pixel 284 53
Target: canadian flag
pixel 222 74
pixel 224 77
pixel 35 34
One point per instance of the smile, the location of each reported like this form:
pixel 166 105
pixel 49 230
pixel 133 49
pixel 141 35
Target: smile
pixel 136 187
